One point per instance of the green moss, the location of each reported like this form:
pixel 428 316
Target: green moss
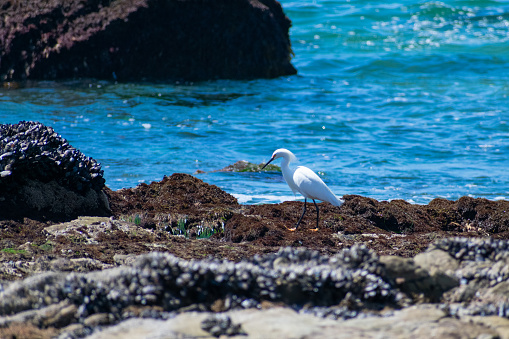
pixel 47 246
pixel 245 166
pixel 11 250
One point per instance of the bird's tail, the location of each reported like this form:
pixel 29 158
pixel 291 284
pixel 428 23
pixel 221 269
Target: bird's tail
pixel 336 201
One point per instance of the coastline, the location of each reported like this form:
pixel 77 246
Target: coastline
pixel 416 252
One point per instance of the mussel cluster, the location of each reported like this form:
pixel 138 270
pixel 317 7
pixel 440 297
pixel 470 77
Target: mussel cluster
pixel 31 150
pixel 295 277
pixel 473 249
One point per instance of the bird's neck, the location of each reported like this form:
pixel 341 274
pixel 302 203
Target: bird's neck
pixel 288 174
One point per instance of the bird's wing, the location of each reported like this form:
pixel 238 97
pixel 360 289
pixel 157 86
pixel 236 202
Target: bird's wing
pixel 310 185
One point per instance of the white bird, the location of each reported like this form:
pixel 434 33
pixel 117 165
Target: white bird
pixel 304 181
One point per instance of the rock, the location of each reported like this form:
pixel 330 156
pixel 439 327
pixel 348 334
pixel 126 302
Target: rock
pixel 74 331
pixel 436 261
pixel 423 321
pixel 481 217
pixel 441 267
pixel 410 278
pixel 27 330
pixel 246 166
pixel 180 204
pixel 144 39
pixel 414 280
pixel 124 259
pixel 55 315
pixel 98 319
pixel 353 290
pixel 499 324
pixel 163 280
pixel 49 179
pixel 220 324
pixel 88 228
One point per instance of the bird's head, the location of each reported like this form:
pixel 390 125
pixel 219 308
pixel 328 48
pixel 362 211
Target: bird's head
pixel 281 153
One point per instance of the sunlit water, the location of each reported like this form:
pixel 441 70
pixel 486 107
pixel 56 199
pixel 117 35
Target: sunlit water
pixel 392 101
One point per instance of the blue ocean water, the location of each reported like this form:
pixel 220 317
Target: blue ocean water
pixel 401 100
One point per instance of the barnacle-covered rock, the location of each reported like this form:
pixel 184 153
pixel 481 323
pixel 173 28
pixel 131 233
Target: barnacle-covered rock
pixel 350 283
pixel 353 279
pixel 476 249
pixel 43 177
pixel 144 39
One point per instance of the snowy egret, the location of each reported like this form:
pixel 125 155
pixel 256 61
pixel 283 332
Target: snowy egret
pixel 304 181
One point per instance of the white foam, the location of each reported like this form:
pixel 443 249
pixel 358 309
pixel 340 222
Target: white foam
pixel 263 198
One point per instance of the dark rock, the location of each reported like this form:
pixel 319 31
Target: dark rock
pixel 479 215
pixel 294 276
pixel 221 324
pixel 180 204
pixel 45 178
pixel 246 166
pixel 179 192
pixel 354 282
pixel 242 228
pixel 416 281
pixel 144 39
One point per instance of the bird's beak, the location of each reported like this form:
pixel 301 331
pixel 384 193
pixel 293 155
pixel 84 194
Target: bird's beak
pixel 268 163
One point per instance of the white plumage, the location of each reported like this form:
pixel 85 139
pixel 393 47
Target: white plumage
pixel 304 181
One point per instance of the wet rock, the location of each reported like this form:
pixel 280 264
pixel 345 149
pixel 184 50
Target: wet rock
pixel 246 166
pixel 180 204
pixel 124 259
pixel 141 39
pixel 394 228
pixel 98 319
pixel 294 276
pixel 179 192
pixel 437 261
pixel 45 178
pixel 416 281
pixel 220 324
pixel 468 215
pixel 56 315
pixel 441 267
pixel 422 321
pixel 482 272
pixel 353 284
pixel 87 229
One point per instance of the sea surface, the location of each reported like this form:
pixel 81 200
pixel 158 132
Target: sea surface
pixel 393 100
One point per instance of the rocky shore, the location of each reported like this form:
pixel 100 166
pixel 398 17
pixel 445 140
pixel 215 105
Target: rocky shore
pixel 181 258
pixel 145 271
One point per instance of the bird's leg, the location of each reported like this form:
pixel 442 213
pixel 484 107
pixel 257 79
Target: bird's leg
pixel 317 216
pixel 300 219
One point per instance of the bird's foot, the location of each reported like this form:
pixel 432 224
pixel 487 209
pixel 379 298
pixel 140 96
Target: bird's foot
pixel 313 229
pixel 291 229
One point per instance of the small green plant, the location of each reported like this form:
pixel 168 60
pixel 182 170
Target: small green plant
pixel 181 226
pixel 137 220
pixel 205 232
pixel 11 250
pixel 47 246
pixel 76 239
pixel 180 229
